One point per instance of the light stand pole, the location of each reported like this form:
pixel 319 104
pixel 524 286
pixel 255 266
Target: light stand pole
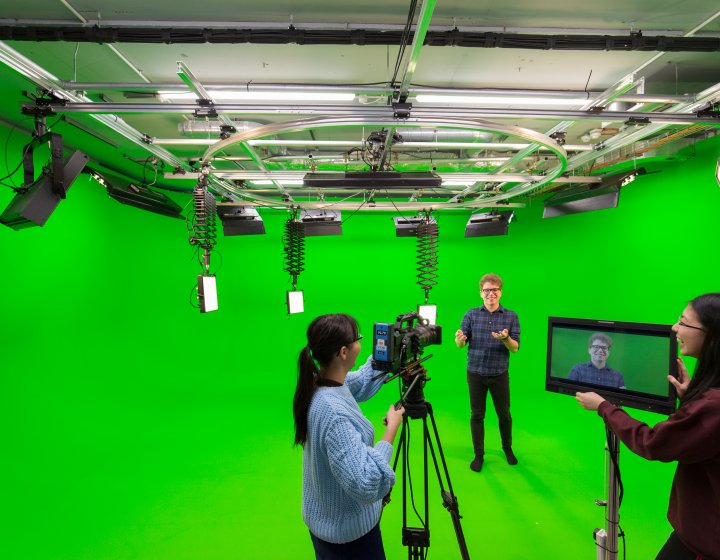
pixel 606 540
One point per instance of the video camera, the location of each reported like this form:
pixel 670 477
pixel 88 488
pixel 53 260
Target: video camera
pixel 397 345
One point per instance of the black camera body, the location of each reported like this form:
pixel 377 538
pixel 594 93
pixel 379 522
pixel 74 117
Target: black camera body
pixel 395 345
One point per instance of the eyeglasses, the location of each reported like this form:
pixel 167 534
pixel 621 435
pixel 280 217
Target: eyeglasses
pixel 487 291
pixel 358 339
pixel 598 348
pixel 684 324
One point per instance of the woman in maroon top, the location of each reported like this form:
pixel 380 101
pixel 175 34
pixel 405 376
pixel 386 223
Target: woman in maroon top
pixel 690 436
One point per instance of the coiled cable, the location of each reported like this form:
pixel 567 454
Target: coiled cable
pixel 294 246
pixel 203 229
pixel 427 250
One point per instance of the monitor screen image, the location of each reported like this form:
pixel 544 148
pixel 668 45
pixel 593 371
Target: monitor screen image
pixel 627 363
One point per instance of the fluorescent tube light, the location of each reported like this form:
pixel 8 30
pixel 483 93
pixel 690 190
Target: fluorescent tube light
pixel 459 182
pixel 497 100
pixel 259 96
pixel 261 182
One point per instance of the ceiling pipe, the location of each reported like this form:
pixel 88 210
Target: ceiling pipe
pixel 204 126
pixel 325 26
pixel 187 33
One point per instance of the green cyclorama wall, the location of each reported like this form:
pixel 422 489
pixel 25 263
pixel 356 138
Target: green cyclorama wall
pixel 136 428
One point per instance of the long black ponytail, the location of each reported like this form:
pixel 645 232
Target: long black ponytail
pixel 326 335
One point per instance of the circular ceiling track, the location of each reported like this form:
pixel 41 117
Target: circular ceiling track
pixel 507 182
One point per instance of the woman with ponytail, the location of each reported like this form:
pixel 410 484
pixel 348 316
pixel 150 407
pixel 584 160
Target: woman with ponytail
pixel 690 436
pixel 345 474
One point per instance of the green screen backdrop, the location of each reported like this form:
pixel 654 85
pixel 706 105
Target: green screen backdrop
pixel 135 428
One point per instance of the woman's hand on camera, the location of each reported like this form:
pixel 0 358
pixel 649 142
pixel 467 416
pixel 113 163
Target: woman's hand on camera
pixel 392 420
pixel 394 416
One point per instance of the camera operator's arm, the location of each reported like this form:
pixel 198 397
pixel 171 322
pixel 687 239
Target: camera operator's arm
pixel 392 420
pixel 363 471
pixel 361 383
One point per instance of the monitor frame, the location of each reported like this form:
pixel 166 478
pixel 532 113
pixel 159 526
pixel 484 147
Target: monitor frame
pixel 661 403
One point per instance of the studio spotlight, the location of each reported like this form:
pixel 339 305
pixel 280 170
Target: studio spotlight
pixel 320 222
pixel 407 227
pixel 428 312
pixel 34 203
pixel 207 293
pixel 240 220
pixel 295 302
pixel 586 198
pixel 490 223
pixel 125 191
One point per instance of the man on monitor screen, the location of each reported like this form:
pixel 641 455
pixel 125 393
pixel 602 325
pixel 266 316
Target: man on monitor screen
pixel 596 370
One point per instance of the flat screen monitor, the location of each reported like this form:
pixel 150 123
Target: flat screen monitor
pixel 627 363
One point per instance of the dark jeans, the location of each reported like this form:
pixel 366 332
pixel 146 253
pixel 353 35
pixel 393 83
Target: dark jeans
pixel 499 387
pixel 367 547
pixel 674 549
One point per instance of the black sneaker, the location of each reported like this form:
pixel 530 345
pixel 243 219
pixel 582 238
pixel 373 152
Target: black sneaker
pixel 510 456
pixel 477 463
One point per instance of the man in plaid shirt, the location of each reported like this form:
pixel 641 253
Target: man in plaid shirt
pixel 491 332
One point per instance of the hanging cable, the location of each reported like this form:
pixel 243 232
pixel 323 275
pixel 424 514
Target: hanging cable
pixel 294 245
pixel 404 40
pixel 427 248
pixel 203 229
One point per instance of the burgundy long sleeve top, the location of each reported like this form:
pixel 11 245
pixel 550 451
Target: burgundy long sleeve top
pixel 690 436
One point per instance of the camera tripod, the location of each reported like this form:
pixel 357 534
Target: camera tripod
pixel 416 407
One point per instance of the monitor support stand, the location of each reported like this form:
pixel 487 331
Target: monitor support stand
pixel 606 540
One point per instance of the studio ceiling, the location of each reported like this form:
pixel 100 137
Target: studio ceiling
pixel 598 88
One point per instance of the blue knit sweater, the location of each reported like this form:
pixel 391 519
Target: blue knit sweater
pixel 345 476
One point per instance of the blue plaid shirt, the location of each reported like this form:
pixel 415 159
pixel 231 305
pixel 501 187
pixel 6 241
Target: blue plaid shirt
pixel 588 373
pixel 487 355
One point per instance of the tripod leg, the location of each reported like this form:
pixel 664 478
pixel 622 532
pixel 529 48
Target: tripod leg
pixel 415 538
pixel 450 501
pixel 398 452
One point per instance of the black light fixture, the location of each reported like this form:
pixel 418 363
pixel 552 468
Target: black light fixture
pixel 320 222
pixel 386 180
pixel 127 192
pixel 238 219
pixel 407 227
pixel 34 202
pixel 488 224
pixel 586 198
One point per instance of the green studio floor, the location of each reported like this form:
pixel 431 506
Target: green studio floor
pixel 156 481
pixel 135 428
